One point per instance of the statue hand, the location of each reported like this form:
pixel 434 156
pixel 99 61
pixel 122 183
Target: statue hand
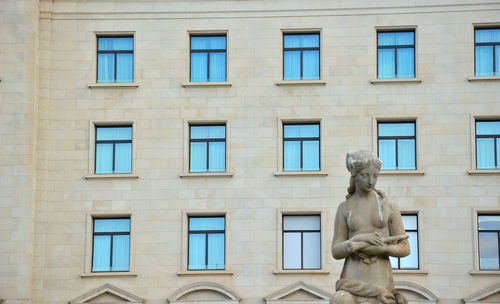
pixel 374 239
pixel 386 297
pixel 375 250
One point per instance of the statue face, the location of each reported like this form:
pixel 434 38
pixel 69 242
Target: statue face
pixel 366 179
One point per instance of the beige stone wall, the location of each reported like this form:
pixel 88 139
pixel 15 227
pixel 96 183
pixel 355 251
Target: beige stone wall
pixel 253 197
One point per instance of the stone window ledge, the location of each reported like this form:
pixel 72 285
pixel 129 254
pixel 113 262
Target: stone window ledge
pixel 483 172
pixel 300 173
pixel 301 83
pixel 114 85
pixel 483 78
pixel 485 272
pixel 402 172
pixel 205 272
pixel 395 80
pixel 111 176
pixel 108 274
pixel 207 174
pixel 207 84
pixel 418 272
pixel 301 271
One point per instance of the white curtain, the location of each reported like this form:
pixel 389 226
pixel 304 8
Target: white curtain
pixel 291 250
pixel 123 158
pixel 291 156
pixel 387 154
pixel 121 252
pixel 106 68
pixel 488 251
pixel 312 250
pixel 217 157
pixel 216 251
pixel 101 253
pixel 217 67
pixel 485 153
pixel 124 68
pixel 310 155
pixel 104 158
pixel 406 63
pixel 406 154
pixel 197 247
pixel 198 158
pixel 484 60
pixel 199 67
pixel 291 70
pixel 386 63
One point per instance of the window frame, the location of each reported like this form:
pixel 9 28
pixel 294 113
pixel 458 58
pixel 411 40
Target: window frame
pixel 477 215
pixel 283 231
pixel 419 266
pixel 295 33
pixel 206 233
pixel 114 142
pixel 301 140
pixel 485 44
pixel 395 29
pixel 475 212
pixel 496 138
pixel 207 34
pixel 115 52
pixel 208 141
pixel 396 139
pixel 111 244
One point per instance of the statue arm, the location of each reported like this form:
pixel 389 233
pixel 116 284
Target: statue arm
pixel 399 247
pixel 342 247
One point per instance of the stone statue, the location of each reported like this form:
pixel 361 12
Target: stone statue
pixel 368 229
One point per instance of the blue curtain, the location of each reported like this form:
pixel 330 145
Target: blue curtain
pixel 112 225
pixel 106 62
pixel 310 65
pixel 406 63
pixel 387 57
pixel 115 43
pixel 207 132
pixel 101 253
pixel 105 68
pixel 217 157
pixel 310 154
pixel 121 252
pixel 216 251
pixel 291 156
pixel 118 133
pixel 386 63
pixel 124 68
pixel 104 158
pixel 197 247
pixel 406 154
pixel 206 223
pixel 395 38
pixel 311 130
pixel 488 251
pixel 387 154
pixel 291 250
pixel 199 62
pixel 300 41
pixel 199 67
pixel 208 42
pixel 291 68
pixel 485 149
pixel 484 60
pixel 396 129
pixel 198 158
pixel 123 158
pixel 217 67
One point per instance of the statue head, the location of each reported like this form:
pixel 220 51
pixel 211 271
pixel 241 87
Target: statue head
pixel 356 162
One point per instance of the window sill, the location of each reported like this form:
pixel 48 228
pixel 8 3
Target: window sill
pixel 301 271
pixel 402 172
pixel 108 274
pixel 207 174
pixel 300 173
pixel 300 83
pixel 114 85
pixel 111 176
pixel 483 78
pixel 418 272
pixel 204 272
pixel 207 84
pixel 485 272
pixel 395 80
pixel 483 172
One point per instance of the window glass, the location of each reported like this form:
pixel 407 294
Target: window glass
pixel 397 145
pixel 489 238
pixel 115 59
pixel 410 223
pixel 206 243
pixel 487 52
pixel 487 144
pixel 301 57
pixel 301 147
pixel 208 58
pixel 111 245
pixel 396 54
pixel 301 242
pixel 207 148
pixel 113 150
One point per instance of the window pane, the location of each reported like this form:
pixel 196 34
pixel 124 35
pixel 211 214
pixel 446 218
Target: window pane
pixel 497 60
pixel 206 223
pixel 118 133
pixel 123 158
pixel 115 43
pixel 484 60
pixel 197 246
pixel 485 148
pixel 310 65
pixel 291 156
pixel 208 43
pixel 386 63
pixel 121 249
pixel 291 250
pixel 498 152
pixel 199 67
pixel 295 131
pixel 396 38
pixel 217 157
pixel 411 261
pixel 406 60
pixel 302 222
pixel 112 225
pixel 487 35
pixel 396 129
pixel 217 67
pixel 124 67
pixel 104 158
pixel 409 222
pixel 198 157
pixel 207 132
pixel 488 127
pixel 216 251
pixel 387 154
pixel 310 155
pixel 101 257
pixel 105 68
pixel 488 251
pixel 301 41
pixel 312 250
pixel 406 154
pixel 291 66
pixel 488 222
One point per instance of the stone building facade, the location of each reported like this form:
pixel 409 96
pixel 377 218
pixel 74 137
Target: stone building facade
pixel 53 104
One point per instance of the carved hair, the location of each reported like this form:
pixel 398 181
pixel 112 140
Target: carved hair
pixel 357 161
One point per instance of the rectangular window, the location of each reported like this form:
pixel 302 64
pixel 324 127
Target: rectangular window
pixel 301 142
pixel 111 244
pixel 206 244
pixel 487 51
pixel 488 144
pixel 115 59
pixel 207 148
pixel 410 222
pixel 396 143
pixel 301 56
pixel 489 241
pixel 301 242
pixel 208 58
pixel 396 54
pixel 113 150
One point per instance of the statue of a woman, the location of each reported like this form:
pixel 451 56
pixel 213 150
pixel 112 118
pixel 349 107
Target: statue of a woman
pixel 368 229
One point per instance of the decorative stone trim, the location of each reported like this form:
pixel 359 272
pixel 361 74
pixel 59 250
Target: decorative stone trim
pixel 482 294
pixel 108 274
pixel 305 271
pixel 483 78
pixel 396 80
pixel 300 173
pixel 207 174
pixel 111 176
pixel 426 295
pixel 277 297
pixel 205 272
pixel 402 172
pixel 300 83
pixel 207 84
pixel 126 296
pixel 231 296
pixel 114 85
pixel 483 172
